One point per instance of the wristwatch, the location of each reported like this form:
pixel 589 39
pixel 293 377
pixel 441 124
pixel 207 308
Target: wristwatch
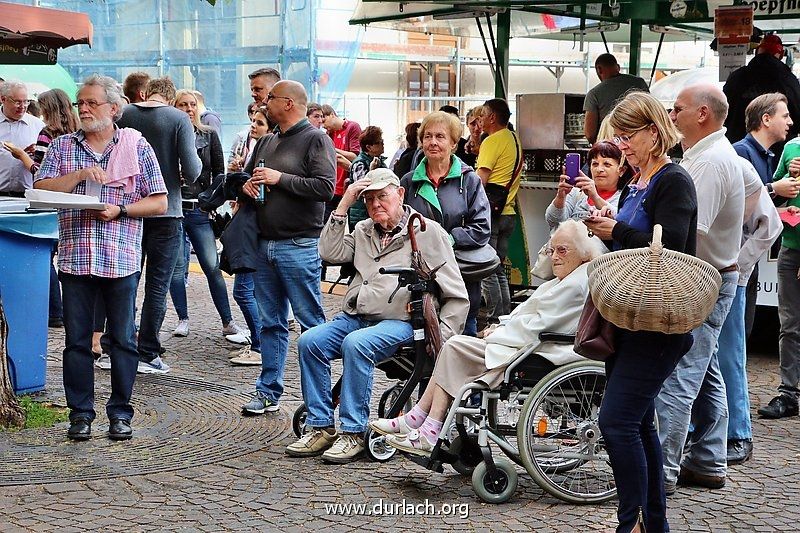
pixel 770 190
pixel 123 211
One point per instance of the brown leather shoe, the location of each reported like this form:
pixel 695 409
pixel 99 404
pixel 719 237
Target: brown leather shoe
pixel 696 479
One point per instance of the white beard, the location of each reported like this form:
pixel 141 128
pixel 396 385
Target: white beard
pixel 96 125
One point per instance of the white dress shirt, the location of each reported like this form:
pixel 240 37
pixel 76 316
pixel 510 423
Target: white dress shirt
pixel 23 133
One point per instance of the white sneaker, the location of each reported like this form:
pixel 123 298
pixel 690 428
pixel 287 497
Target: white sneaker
pixel 238 338
pixel 231 329
pixel 156 366
pixel 246 357
pixel 183 329
pixel 103 362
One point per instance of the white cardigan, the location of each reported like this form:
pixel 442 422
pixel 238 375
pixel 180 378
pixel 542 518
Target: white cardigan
pixel 555 306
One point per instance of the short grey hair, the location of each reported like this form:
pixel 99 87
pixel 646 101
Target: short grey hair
pixel 9 86
pixel 110 87
pixel 716 105
pixel 578 234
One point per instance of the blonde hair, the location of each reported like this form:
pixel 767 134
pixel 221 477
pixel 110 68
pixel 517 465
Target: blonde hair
pixel 451 122
pixel 638 111
pixel 196 119
pixel 606 133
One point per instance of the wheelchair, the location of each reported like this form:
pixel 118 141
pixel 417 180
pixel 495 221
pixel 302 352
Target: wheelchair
pixel 542 417
pixel 410 365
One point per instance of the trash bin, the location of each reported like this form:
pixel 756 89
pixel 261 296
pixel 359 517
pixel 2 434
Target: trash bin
pixel 25 243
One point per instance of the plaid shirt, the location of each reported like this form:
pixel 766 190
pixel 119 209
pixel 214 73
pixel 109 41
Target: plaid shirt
pixel 87 245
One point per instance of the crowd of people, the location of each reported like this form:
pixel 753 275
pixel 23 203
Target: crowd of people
pixel 153 156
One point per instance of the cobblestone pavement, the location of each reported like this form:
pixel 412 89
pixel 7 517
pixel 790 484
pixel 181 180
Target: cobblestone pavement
pixel 195 464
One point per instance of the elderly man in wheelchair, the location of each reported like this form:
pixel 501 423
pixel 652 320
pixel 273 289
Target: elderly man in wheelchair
pixel 372 325
pixel 554 307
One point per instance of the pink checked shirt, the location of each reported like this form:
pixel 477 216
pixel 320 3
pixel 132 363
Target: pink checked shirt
pixel 88 246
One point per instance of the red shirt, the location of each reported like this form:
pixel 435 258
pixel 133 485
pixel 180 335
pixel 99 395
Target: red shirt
pixel 345 139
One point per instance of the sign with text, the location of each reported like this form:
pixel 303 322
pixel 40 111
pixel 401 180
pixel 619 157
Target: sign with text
pixel 37 54
pixel 733 24
pixel 775 7
pixel 731 57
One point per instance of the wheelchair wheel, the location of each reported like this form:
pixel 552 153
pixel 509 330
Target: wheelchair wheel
pixel 377 448
pixel 558 435
pixel 497 490
pixel 469 455
pixel 389 397
pixel 299 420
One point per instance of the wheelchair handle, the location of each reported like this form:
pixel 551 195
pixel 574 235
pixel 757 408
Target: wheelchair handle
pixel 396 270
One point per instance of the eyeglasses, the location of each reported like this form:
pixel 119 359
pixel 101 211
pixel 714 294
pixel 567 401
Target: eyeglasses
pixel 18 103
pixel 626 139
pixel 93 104
pixel 381 197
pixel 561 250
pixel 271 96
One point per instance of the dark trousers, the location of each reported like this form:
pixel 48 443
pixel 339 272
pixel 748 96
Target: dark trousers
pixel 161 243
pixel 474 295
pixel 751 295
pixel 119 296
pixel 55 307
pixel 634 375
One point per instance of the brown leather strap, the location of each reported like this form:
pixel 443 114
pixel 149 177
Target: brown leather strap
pixel 731 268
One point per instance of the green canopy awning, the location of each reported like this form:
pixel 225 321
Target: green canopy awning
pixel 40 78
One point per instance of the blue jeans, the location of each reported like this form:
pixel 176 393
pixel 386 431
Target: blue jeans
pixel 161 244
pixel 634 376
pixel 360 344
pixel 119 295
pixel 733 365
pixel 474 295
pixel 288 270
pixel 695 392
pixel 197 226
pixel 245 296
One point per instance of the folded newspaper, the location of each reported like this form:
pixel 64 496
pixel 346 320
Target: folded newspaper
pixel 41 199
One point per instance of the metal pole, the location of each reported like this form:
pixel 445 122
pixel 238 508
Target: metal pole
pixel 636 45
pixel 458 75
pixel 501 53
pixel 655 62
pixel 160 39
pixel 369 108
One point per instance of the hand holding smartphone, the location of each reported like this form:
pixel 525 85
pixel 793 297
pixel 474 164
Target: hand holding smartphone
pixel 572 167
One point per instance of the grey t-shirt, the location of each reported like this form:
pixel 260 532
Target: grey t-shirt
pixel 171 134
pixel 602 97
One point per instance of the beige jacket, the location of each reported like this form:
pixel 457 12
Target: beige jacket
pixel 368 293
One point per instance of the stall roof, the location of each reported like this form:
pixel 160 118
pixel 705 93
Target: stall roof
pixel 559 20
pixel 22 26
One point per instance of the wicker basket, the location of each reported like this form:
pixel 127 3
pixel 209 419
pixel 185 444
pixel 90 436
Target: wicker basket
pixel 653 289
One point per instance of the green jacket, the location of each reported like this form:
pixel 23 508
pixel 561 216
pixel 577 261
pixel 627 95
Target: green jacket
pixel 791 235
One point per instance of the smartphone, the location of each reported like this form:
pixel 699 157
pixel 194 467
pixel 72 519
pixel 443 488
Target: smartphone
pixel 572 165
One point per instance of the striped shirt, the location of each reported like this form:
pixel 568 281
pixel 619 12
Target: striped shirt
pixel 87 245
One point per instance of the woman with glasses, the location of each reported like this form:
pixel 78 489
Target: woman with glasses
pixel 197 225
pixel 447 190
pixel 555 305
pixel 609 174
pixel 660 193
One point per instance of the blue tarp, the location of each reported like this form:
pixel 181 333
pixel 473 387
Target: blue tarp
pixel 37 225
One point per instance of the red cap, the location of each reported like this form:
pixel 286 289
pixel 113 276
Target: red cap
pixel 771 44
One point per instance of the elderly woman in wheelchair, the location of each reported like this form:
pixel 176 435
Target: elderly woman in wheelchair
pixel 554 306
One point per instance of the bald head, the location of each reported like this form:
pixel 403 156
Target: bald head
pixel 712 97
pixel 293 90
pixel 698 111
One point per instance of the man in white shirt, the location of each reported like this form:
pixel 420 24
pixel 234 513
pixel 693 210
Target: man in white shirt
pixel 695 392
pixel 21 129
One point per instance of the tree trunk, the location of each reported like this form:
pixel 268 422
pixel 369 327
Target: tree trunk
pixel 11 414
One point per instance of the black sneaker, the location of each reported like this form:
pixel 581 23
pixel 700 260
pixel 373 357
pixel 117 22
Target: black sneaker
pixel 739 451
pixel 779 407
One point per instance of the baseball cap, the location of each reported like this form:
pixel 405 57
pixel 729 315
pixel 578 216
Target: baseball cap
pixel 770 44
pixel 381 178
